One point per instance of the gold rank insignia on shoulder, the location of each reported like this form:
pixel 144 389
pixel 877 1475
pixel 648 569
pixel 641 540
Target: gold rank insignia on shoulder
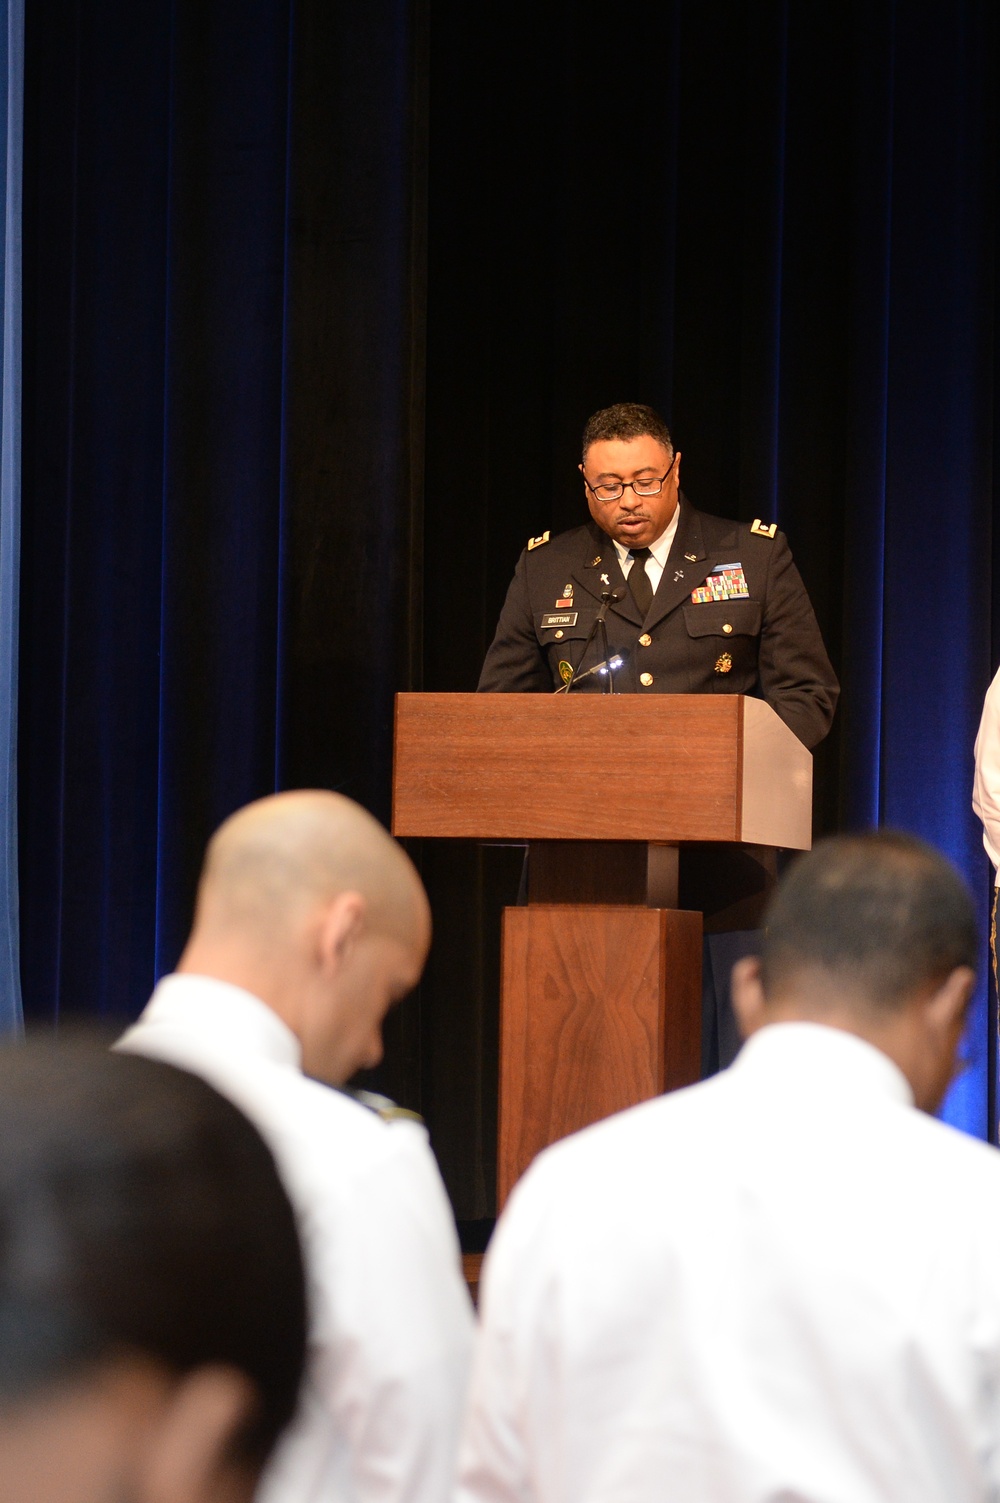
pixel 537 542
pixel 758 527
pixel 383 1107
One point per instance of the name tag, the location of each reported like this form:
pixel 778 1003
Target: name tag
pixel 566 618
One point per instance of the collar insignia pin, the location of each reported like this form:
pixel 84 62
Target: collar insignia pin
pixel 605 579
pixel 691 557
pixel 678 574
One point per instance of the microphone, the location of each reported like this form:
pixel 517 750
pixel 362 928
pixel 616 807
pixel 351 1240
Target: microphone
pixel 608 598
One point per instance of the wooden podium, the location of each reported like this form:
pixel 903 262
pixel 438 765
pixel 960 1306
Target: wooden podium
pixel 600 1002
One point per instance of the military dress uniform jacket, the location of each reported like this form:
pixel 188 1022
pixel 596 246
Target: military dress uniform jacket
pixel 766 644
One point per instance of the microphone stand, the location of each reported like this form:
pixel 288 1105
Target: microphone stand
pixel 608 597
pixel 609 687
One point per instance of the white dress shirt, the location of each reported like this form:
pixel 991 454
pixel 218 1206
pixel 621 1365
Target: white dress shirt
pixel 658 551
pixel 986 787
pixel 779 1286
pixel 390 1319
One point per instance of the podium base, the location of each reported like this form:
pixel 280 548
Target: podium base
pixel 600 1008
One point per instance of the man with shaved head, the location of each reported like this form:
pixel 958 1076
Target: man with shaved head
pixel 311 922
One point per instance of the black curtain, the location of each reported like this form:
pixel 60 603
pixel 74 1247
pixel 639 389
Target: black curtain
pixel 317 299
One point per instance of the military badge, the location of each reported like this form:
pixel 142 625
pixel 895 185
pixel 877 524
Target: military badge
pixel 723 663
pixel 537 542
pixel 565 670
pixel 761 531
pixel 726 582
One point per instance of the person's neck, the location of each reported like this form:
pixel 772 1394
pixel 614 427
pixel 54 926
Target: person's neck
pixel 896 1034
pixel 234 963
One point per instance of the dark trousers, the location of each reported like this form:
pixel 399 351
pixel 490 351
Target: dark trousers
pixel 720 1038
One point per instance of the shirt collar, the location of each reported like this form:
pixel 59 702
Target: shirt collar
pixel 813 1051
pixel 207 1006
pixel 661 548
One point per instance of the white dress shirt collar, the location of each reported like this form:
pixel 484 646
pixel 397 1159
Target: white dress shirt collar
pixel 660 549
pixel 208 1006
pixel 813 1052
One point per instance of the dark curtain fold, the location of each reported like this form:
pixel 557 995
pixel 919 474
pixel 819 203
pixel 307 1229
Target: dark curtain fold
pixel 317 298
pixel 221 519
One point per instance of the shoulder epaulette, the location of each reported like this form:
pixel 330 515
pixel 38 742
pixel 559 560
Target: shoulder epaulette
pixel 758 527
pixel 383 1107
pixel 537 542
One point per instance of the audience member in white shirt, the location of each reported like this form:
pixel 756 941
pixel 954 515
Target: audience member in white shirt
pixel 986 793
pixel 782 1283
pixel 311 922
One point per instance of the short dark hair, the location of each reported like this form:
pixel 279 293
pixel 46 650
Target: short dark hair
pixel 884 913
pixel 626 420
pixel 141 1213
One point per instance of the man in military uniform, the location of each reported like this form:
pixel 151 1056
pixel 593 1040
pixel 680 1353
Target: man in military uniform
pixel 694 604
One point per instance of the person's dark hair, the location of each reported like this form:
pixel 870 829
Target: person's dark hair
pixel 626 420
pixel 141 1213
pixel 884 913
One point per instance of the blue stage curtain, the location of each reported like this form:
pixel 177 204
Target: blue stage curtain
pixel 217 362
pixel 11 136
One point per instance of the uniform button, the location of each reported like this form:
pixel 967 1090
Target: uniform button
pixel 559 635
pixel 645 679
pixel 727 629
pixel 645 640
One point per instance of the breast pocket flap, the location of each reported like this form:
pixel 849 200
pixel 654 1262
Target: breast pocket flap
pixel 724 618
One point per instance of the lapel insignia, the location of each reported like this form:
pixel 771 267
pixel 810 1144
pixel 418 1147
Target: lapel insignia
pixel 678 574
pixel 692 558
pixel 723 663
pixel 761 531
pixel 605 579
pixel 594 562
pixel 537 542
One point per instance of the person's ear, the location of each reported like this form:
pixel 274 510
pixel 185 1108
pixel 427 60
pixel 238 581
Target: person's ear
pixel 747 994
pixel 190 1455
pixel 677 467
pixel 340 927
pixel 945 1009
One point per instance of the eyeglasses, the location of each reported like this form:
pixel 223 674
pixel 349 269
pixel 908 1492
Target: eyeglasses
pixel 614 492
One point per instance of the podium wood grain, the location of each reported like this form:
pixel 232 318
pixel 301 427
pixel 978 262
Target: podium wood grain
pixel 585 1025
pixel 686 767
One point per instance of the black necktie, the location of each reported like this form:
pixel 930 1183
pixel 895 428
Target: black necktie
pixel 639 581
